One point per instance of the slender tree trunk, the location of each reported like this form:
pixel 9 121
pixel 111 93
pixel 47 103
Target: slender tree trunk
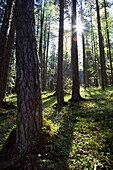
pixel 74 57
pixel 7 54
pixel 108 43
pixel 3 42
pixel 52 68
pixel 60 95
pixel 29 118
pixel 40 43
pixel 95 63
pixel 101 46
pixel 92 45
pixel 44 57
pixel 87 73
pixel 98 61
pixel 45 82
pixel 84 60
pixel 38 26
pixel 87 65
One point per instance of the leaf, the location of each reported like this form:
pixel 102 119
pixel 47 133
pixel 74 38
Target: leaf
pixel 85 168
pixel 99 164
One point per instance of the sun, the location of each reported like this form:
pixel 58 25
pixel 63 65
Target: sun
pixel 80 27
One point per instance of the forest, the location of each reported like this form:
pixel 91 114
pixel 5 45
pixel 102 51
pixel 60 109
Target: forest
pixel 56 85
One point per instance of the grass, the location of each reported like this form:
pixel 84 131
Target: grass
pixel 80 135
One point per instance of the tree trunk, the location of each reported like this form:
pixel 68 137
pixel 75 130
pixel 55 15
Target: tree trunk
pixel 87 65
pixel 44 57
pixel 52 68
pixel 74 57
pixel 29 118
pixel 108 43
pixel 92 48
pixel 60 95
pixel 95 63
pixel 3 40
pixel 7 54
pixel 40 43
pixel 84 61
pixel 101 46
pixel 38 26
pixel 45 82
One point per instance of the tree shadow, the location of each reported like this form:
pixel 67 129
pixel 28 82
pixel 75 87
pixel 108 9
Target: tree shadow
pixel 64 137
pixel 48 101
pixel 97 93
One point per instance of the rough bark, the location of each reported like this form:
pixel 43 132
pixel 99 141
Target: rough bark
pixel 60 95
pixel 101 47
pixel 74 57
pixel 3 42
pixel 108 43
pixel 29 118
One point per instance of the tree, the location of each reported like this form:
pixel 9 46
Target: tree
pixel 3 42
pixel 46 64
pixel 101 47
pixel 44 59
pixel 84 60
pixel 108 42
pixel 60 98
pixel 7 54
pixel 29 118
pixel 74 56
pixel 40 43
pixel 52 69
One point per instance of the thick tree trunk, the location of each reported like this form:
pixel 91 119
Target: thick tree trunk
pixel 3 42
pixel 7 54
pixel 108 43
pixel 29 119
pixel 60 95
pixel 74 56
pixel 101 46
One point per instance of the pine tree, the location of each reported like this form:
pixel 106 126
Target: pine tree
pixel 29 119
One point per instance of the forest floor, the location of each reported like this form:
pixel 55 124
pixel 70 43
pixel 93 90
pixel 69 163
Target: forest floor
pixel 78 136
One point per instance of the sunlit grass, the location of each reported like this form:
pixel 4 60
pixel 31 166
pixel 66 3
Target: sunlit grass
pixel 12 99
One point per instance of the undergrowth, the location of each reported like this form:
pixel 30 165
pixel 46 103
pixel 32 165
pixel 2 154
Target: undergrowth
pixel 77 136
